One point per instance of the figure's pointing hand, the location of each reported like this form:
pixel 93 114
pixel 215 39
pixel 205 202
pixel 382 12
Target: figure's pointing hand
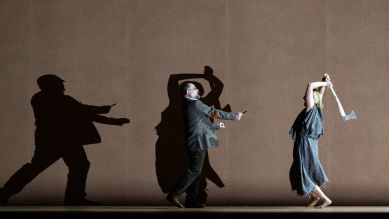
pixel 107 108
pixel 122 121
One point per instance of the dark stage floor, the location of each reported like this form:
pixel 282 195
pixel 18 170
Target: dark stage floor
pixel 208 212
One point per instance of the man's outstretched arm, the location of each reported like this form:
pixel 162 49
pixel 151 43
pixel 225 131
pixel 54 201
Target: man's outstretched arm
pixel 216 113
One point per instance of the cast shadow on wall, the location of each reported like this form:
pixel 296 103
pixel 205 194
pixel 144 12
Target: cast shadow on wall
pixel 171 155
pixel 63 126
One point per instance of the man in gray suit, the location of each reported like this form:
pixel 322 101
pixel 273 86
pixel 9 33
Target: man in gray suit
pixel 200 135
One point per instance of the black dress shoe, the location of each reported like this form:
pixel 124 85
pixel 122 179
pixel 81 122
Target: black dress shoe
pixel 81 202
pixel 174 200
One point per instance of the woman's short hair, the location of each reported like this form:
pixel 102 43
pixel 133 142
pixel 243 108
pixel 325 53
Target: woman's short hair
pixel 316 99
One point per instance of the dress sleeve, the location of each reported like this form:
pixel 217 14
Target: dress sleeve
pixel 304 123
pixel 296 125
pixel 310 118
pixel 313 124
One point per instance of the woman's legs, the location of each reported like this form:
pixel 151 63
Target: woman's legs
pixel 313 199
pixel 326 201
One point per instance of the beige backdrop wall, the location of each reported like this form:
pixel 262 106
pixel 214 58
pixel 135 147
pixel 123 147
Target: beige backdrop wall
pixel 264 52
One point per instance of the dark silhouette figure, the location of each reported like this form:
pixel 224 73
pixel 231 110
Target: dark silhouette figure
pixel 171 154
pixel 63 126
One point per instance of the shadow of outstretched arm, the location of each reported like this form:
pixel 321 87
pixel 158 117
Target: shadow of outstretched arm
pixel 109 120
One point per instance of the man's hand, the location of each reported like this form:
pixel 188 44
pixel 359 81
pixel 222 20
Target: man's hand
pixel 238 115
pixel 121 121
pixel 222 125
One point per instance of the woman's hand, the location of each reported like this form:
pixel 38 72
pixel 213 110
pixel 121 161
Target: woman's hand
pixel 329 83
pixel 326 77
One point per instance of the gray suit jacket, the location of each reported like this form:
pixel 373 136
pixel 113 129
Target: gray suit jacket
pixel 200 131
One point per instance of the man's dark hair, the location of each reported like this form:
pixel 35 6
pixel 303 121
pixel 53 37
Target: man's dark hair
pixel 184 87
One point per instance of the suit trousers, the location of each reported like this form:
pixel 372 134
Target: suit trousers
pixel 190 180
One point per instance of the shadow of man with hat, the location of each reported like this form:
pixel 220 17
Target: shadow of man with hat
pixel 63 126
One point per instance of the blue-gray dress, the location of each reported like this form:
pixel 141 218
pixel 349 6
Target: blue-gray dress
pixel 306 171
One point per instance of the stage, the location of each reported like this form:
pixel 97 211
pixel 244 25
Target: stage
pixel 172 212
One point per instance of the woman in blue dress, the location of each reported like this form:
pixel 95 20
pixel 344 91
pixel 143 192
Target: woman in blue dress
pixel 306 173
